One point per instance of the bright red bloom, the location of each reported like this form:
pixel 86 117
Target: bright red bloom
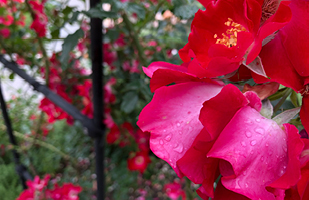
pixel 5 32
pixel 286 57
pixel 66 192
pixel 40 19
pixel 230 32
pixel 139 161
pixel 7 20
pixel 174 191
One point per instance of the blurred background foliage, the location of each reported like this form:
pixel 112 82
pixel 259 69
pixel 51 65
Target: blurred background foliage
pixel 56 51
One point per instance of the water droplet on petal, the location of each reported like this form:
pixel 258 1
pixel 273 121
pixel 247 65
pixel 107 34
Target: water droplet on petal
pixel 244 173
pixel 237 186
pixel 168 138
pixel 259 131
pixel 178 124
pixel 262 158
pixel 285 149
pixel 270 152
pixel 248 121
pixel 266 144
pixel 284 167
pixel 253 142
pixel 251 152
pixel 248 134
pixel 246 185
pixel 243 144
pixel 161 142
pixel 175 145
pixel 257 120
pixel 179 149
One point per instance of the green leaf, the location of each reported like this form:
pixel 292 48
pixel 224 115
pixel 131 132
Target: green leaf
pixel 67 10
pixel 286 116
pixel 294 99
pixel 69 44
pixel 138 9
pixel 55 33
pixel 186 11
pixel 12 75
pixel 129 102
pixel 278 94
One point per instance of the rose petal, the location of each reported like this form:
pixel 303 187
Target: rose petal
pixel 172 118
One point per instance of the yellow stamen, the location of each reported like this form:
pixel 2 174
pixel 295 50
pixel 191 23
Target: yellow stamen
pixel 229 38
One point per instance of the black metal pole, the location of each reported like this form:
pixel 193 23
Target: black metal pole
pixel 55 98
pixel 21 169
pixel 96 36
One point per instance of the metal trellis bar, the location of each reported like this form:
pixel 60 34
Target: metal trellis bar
pixel 20 169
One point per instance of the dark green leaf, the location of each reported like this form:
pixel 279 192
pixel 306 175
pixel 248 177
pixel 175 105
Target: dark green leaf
pixel 69 43
pixel 137 9
pixel 186 11
pixel 55 33
pixel 129 102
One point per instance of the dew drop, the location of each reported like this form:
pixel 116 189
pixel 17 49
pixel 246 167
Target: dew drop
pixel 161 142
pixel 257 120
pixel 251 152
pixel 179 149
pixel 168 138
pixel 259 131
pixel 246 185
pixel 248 121
pixel 270 152
pixel 178 124
pixel 262 158
pixel 244 173
pixel 253 142
pixel 285 149
pixel 180 132
pixel 175 145
pixel 237 186
pixel 248 134
pixel 266 144
pixel 284 167
pixel 243 144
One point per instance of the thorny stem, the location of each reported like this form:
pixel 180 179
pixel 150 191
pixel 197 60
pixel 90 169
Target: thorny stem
pixel 287 92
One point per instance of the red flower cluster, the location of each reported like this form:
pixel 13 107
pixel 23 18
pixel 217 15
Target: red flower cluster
pixel 67 89
pixel 40 19
pixel 207 131
pixel 7 18
pixel 37 190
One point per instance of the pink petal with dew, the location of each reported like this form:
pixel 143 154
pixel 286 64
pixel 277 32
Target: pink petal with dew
pixel 172 118
pixel 256 148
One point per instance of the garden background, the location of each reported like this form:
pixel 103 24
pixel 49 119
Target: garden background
pixel 50 40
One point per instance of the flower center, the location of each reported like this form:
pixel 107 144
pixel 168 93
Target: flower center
pixel 139 160
pixel 229 38
pixel 269 8
pixel 305 91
